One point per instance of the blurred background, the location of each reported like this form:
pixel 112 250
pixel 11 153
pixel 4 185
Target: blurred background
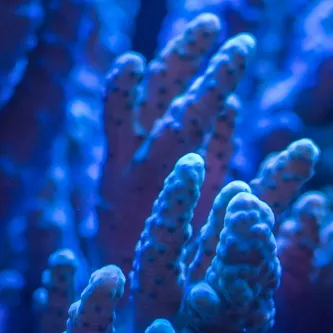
pixel 54 58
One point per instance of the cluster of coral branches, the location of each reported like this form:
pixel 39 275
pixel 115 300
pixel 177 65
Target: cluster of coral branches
pixel 144 175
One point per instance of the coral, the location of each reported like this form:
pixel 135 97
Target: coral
pixel 218 150
pixel 121 93
pixel 36 113
pixel 282 174
pixel 160 326
pixel 240 283
pixel 210 233
pixel 94 312
pixel 201 308
pixel 299 245
pixel 323 259
pixel 169 74
pixel 179 131
pixel 298 240
pixel 157 267
pixel 58 292
pixel 145 169
pixel 195 42
pixel 246 271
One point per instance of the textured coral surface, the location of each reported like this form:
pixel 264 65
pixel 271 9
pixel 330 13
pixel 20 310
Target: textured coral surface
pixel 166 166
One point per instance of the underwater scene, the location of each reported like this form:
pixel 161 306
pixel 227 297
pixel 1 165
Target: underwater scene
pixel 166 166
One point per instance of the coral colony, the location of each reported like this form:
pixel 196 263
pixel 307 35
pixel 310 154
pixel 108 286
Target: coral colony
pixel 145 175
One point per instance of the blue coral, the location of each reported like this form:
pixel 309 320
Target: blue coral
pixel 123 167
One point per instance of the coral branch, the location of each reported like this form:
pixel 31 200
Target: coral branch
pixel 54 299
pixel 191 115
pixel 170 73
pixel 323 259
pixel 210 232
pixel 217 152
pixel 298 243
pixel 201 309
pixel 157 267
pixel 95 312
pixel 160 326
pixel 298 239
pixel 120 96
pixel 246 270
pixel 283 174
